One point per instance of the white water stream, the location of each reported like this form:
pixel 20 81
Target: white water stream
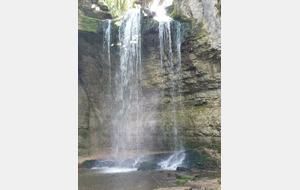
pixel 165 44
pixel 170 162
pixel 107 40
pixel 127 121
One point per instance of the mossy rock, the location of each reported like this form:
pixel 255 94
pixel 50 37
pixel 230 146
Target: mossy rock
pixel 201 108
pixel 103 6
pixel 181 181
pixel 145 166
pixel 178 17
pixel 169 9
pixel 87 23
pixel 200 160
pixel 89 163
pixel 149 24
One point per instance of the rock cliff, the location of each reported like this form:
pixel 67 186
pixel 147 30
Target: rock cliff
pixel 198 120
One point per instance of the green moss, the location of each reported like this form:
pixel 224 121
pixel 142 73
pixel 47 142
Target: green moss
pixel 87 24
pixel 181 181
pixel 178 17
pixel 187 177
pixel 201 32
pixel 174 14
pixel 201 108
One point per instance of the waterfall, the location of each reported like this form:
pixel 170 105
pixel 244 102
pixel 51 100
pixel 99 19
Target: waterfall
pixel 173 161
pixel 165 44
pixel 107 40
pixel 127 123
pixel 127 132
pixel 127 126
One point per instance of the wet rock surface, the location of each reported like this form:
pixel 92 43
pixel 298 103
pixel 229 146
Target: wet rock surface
pixel 89 163
pixel 194 162
pixel 198 119
pixel 145 166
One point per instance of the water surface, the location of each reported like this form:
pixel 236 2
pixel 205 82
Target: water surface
pixel 95 179
pixel 134 180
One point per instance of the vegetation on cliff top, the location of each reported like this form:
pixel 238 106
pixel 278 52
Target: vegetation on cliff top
pixel 87 23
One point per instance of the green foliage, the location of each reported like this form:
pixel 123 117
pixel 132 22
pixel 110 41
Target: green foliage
pixel 181 181
pixel 118 7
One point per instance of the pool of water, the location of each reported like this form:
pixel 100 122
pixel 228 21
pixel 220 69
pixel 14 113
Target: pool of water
pixel 97 179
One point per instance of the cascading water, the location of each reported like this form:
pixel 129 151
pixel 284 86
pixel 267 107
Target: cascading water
pixel 173 161
pixel 107 40
pixel 165 44
pixel 164 162
pixel 127 125
pixel 165 37
pixel 127 119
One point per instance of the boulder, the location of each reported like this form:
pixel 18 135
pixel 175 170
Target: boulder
pixel 200 160
pixel 148 12
pixel 103 6
pixel 145 166
pixel 89 163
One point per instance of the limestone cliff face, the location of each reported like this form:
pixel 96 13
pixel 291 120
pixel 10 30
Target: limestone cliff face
pixel 205 14
pixel 93 101
pixel 199 120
